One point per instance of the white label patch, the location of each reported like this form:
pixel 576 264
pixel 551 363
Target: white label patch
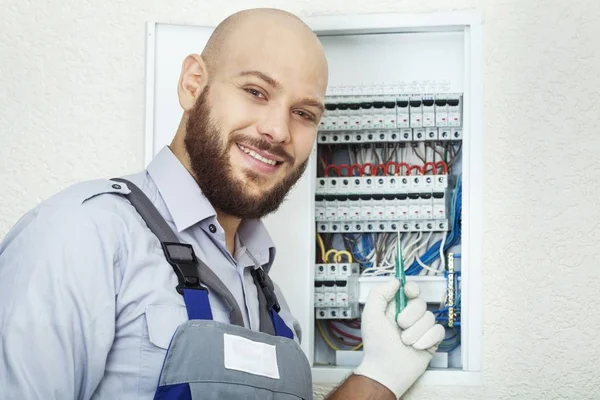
pixel 245 355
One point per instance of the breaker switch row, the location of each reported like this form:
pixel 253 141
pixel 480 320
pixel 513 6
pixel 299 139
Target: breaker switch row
pixel 377 112
pixel 385 226
pixel 394 135
pixel 351 312
pixel 381 184
pixel 400 207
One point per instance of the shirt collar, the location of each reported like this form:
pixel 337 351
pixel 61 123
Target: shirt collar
pixel 253 235
pixel 182 195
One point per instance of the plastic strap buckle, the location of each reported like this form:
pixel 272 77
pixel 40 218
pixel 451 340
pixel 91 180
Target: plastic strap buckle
pixel 183 260
pixel 269 293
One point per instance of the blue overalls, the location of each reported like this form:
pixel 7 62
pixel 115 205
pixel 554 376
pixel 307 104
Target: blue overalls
pixel 211 360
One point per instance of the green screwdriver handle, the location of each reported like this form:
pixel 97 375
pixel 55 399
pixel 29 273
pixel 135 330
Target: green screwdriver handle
pixel 401 276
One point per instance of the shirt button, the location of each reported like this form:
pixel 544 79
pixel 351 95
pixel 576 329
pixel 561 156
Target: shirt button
pixel 212 228
pixel 115 186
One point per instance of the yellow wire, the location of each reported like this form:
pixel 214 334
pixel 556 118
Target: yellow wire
pixel 321 246
pixel 326 259
pixel 338 256
pixel 333 346
pixel 325 338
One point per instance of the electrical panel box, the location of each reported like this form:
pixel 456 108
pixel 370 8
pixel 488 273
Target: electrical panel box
pixel 398 152
pixel 392 160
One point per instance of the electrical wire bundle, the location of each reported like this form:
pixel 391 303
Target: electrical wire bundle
pixel 337 331
pixel 450 343
pixel 394 159
pixel 390 168
pixel 375 252
pixel 336 254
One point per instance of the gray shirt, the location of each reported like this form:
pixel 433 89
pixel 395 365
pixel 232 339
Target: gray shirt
pixel 88 303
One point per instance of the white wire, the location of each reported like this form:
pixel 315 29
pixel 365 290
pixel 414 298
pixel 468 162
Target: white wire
pixel 386 265
pixel 416 250
pixel 378 155
pixel 442 258
pixel 405 251
pixel 435 271
pixel 388 260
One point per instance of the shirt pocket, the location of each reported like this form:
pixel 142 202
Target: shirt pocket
pixel 163 321
pixel 160 323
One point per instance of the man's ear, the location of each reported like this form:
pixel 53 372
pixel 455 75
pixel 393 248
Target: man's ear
pixel 192 81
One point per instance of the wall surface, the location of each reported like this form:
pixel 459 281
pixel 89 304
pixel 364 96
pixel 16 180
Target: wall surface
pixel 72 108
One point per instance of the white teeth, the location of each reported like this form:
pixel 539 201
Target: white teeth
pixel 257 156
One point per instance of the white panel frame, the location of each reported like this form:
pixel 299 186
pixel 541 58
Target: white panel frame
pixel 299 245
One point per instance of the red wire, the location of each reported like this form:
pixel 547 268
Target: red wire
pixel 364 168
pixel 357 167
pixel 399 168
pixel 433 168
pixel 338 338
pixel 346 167
pixel 415 167
pixel 443 165
pixel 332 166
pixel 344 334
pixel 351 324
pixel 388 165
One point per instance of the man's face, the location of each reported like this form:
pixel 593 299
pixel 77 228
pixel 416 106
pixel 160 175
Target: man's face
pixel 251 132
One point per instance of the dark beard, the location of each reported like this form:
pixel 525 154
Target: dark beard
pixel 210 164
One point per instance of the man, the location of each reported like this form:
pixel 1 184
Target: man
pixel 88 303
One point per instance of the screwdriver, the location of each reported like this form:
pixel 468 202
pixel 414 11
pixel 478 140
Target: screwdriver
pixel 401 276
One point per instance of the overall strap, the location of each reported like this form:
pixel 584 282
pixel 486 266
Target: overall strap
pixel 270 321
pixel 191 272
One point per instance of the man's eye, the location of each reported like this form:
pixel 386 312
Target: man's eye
pixel 305 115
pixel 255 93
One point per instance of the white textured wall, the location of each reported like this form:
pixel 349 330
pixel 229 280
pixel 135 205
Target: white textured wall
pixel 72 103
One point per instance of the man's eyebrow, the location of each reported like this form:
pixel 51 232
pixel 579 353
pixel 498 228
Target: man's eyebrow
pixel 313 103
pixel 270 81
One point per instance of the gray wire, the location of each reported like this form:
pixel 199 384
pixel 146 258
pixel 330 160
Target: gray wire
pixel 417 154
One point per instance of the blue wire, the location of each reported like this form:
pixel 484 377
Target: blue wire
pixel 451 349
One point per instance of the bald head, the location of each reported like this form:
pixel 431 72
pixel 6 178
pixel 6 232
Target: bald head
pixel 266 28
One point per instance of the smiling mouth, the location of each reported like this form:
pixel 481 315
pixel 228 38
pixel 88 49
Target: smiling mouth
pixel 258 157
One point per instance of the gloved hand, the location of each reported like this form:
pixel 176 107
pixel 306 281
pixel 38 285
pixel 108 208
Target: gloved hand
pixel 396 355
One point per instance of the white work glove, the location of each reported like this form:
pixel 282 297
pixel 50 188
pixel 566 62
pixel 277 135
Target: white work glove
pixel 396 355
